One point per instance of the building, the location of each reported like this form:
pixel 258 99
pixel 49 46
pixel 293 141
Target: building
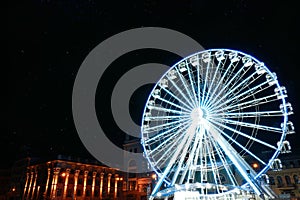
pixel 68 178
pixel 285 180
pixel 138 185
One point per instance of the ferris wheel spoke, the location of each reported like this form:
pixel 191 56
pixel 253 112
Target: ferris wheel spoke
pixel 250 79
pixel 173 159
pixel 248 83
pixel 221 81
pixel 241 146
pixel 189 91
pixel 198 84
pixel 167 137
pixel 192 158
pixel 234 156
pixel 167 117
pixel 206 80
pixel 213 163
pixel 171 139
pixel 226 86
pixel 179 165
pixel 244 94
pixel 188 107
pixel 225 163
pixel 235 89
pixel 246 136
pixel 231 90
pixel 165 125
pixel 251 125
pixel 192 83
pixel 212 83
pixel 250 103
pixel 163 156
pixel 248 114
pixel 192 162
pixel 165 134
pixel 187 101
pixel 203 159
pixel 182 108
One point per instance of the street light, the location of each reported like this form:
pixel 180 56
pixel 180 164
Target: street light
pixel 154 176
pixel 255 165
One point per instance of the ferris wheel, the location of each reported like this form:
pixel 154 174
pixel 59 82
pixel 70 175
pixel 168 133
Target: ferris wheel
pixel 209 119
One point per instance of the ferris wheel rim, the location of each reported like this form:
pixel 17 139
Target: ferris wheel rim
pixel 285 116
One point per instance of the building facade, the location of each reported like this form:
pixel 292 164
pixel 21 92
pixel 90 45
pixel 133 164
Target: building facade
pixel 285 182
pixel 64 179
pixel 138 185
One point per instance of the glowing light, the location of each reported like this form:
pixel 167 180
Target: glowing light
pixel 154 176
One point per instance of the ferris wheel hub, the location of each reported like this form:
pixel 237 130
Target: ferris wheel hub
pixel 197 115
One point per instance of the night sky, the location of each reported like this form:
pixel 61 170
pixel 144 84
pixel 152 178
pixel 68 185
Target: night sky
pixel 49 39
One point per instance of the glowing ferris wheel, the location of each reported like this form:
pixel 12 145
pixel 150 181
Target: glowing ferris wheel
pixel 208 119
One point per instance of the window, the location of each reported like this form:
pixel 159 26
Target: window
pixel 58 192
pixel 71 180
pixel 90 181
pixel 272 180
pixel 78 193
pixel 97 182
pixel 279 180
pixel 60 179
pixel 288 180
pixel 70 192
pixel 96 194
pixel 296 179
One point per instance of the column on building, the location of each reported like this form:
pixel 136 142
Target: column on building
pixel 34 184
pixel 66 183
pixel 93 184
pixel 86 172
pixel 30 183
pixel 108 183
pixel 54 181
pixel 47 183
pixel 101 185
pixel 38 192
pixel 26 185
pixel 76 175
pixel 116 186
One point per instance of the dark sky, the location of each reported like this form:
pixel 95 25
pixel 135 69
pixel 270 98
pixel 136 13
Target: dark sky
pixel 49 39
